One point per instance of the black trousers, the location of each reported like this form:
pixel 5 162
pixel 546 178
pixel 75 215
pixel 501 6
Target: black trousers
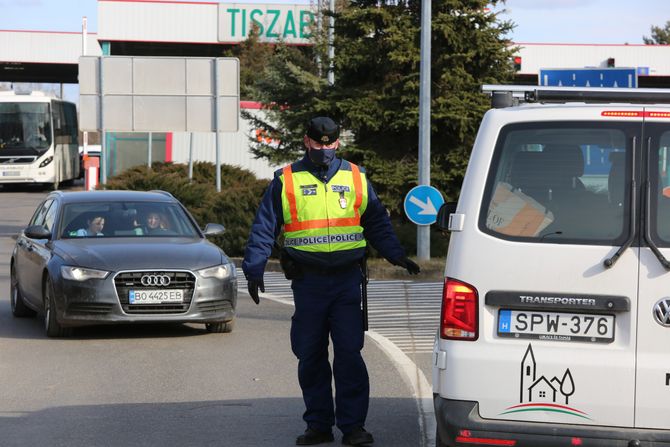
pixel 330 306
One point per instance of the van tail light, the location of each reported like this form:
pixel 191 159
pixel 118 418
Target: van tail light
pixel 459 311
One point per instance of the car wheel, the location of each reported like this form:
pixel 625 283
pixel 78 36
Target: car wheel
pixel 51 325
pixel 19 308
pixel 221 327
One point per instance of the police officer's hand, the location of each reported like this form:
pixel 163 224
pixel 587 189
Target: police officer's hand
pixel 253 285
pixel 406 263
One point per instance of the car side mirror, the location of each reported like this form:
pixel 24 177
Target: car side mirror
pixel 442 220
pixel 214 228
pixel 37 232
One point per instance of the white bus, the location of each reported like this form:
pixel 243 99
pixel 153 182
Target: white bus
pixel 38 139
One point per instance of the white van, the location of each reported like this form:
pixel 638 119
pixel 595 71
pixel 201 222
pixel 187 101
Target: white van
pixel 555 326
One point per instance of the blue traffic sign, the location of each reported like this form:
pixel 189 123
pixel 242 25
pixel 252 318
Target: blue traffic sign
pixel 422 203
pixel 588 77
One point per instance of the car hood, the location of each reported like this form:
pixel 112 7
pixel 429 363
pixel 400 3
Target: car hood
pixel 137 254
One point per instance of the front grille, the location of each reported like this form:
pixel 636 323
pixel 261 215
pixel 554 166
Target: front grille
pixel 215 306
pixel 127 281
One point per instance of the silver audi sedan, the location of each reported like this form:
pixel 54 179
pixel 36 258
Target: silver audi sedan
pixel 120 257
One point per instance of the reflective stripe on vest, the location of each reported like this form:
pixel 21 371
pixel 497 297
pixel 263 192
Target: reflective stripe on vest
pixel 324 217
pixel 327 239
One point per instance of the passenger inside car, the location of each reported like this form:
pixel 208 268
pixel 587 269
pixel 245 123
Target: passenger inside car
pixel 154 223
pixel 94 226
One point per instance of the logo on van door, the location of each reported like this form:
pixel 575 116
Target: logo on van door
pixel 662 312
pixel 542 393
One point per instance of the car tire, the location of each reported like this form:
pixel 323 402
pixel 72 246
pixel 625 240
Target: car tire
pixel 19 308
pixel 52 326
pixel 220 327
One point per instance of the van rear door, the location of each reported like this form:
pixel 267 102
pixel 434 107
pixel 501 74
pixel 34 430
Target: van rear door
pixel 653 346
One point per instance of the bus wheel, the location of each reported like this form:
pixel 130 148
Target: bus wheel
pixel 68 183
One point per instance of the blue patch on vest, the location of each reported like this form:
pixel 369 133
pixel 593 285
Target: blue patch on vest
pixel 308 190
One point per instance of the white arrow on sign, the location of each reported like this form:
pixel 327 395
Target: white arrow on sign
pixel 426 208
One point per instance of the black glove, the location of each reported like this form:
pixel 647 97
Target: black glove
pixel 253 285
pixel 406 263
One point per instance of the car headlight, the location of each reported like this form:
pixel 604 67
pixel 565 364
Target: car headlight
pixel 222 271
pixel 82 274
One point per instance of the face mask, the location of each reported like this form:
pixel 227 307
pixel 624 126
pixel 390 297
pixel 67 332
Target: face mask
pixel 322 157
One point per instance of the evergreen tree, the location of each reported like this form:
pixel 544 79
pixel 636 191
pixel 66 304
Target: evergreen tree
pixel 376 92
pixel 292 92
pixel 254 56
pixel 659 36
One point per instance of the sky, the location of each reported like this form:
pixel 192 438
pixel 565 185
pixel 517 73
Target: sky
pixel 585 21
pixel 537 21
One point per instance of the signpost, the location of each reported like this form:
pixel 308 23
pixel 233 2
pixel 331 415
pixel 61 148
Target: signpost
pixel 159 94
pixel 422 232
pixel 588 77
pixel 422 203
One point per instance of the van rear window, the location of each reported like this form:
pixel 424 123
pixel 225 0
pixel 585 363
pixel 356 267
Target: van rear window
pixel 559 183
pixel 659 175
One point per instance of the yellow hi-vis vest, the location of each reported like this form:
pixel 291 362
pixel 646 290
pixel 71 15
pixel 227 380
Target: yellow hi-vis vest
pixel 322 217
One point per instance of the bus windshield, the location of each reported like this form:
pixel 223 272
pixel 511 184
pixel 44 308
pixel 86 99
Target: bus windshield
pixel 25 127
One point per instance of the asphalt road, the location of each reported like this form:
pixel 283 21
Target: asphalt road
pixel 167 385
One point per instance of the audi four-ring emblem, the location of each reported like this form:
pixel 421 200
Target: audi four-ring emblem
pixel 155 280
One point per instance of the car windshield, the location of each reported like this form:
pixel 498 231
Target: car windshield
pixel 125 219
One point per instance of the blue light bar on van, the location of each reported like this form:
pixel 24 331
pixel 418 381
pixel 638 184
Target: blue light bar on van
pixel 528 93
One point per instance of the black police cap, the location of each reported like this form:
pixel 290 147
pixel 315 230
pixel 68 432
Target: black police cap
pixel 323 130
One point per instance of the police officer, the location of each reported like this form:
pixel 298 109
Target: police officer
pixel 329 213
